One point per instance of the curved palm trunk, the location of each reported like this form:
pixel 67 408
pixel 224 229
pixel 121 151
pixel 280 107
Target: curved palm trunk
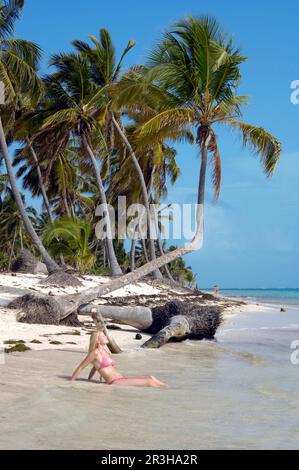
pixel 158 232
pixel 66 305
pixel 113 263
pixel 90 295
pixel 70 303
pixel 40 181
pixel 157 272
pixel 160 246
pixel 50 263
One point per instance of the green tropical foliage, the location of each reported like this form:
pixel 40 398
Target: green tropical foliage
pixel 70 237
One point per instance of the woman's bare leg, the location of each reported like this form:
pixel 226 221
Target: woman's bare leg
pixel 144 381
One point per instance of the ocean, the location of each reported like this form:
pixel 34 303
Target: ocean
pixel 238 392
pixel 268 296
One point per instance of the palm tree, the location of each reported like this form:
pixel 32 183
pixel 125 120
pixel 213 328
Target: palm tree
pixel 105 73
pixel 70 237
pixel 200 70
pixel 18 63
pixel 13 237
pixel 71 98
pixel 194 73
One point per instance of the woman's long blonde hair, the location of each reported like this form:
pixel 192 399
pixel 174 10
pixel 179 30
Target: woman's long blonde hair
pixel 93 340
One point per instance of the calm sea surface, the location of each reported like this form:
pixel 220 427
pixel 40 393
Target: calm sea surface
pixel 283 296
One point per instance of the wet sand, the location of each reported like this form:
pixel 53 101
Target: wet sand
pixel 240 392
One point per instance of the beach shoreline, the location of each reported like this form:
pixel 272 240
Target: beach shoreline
pixel 233 385
pixel 52 337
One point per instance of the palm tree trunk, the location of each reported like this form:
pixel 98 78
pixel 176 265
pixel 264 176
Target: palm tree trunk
pixel 113 263
pixel 157 225
pixel 21 237
pixel 160 246
pixel 132 254
pixel 144 248
pixel 104 255
pixel 157 273
pixel 50 263
pixel 70 303
pixel 203 171
pixel 40 181
pixel 12 248
pixel 43 189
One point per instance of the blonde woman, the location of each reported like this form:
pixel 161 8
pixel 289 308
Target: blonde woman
pixel 100 357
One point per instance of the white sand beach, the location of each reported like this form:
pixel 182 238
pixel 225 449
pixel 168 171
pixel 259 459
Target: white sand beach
pixel 12 286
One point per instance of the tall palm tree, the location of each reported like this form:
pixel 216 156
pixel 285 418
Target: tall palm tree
pixel 71 98
pixel 194 73
pixel 105 72
pixel 200 70
pixel 18 62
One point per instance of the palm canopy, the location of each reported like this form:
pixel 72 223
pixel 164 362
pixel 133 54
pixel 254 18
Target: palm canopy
pixel 65 111
pixel 70 237
pixel 18 64
pixel 198 70
pixel 102 57
pixel 9 13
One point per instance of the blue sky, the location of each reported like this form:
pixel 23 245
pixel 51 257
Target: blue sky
pixel 251 235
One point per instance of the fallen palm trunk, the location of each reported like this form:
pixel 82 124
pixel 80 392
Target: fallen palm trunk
pixel 174 321
pixel 100 325
pixel 64 306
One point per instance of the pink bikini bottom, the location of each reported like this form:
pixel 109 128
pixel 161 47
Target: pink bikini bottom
pixel 116 380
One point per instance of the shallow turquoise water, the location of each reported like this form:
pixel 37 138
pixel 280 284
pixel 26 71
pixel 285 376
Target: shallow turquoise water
pixel 283 296
pixel 239 392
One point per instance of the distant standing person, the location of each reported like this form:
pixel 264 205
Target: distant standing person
pixel 216 290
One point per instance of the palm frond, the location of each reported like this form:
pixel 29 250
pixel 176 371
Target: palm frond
pixel 9 13
pixel 264 144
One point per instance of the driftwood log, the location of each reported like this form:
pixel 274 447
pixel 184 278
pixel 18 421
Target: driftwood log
pixel 174 321
pixel 101 326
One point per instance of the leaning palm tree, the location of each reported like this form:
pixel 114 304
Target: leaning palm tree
pixel 18 62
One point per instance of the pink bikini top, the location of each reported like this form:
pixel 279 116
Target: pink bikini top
pixel 106 361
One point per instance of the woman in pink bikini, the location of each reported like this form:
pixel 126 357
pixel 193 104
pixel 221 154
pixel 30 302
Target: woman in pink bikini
pixel 100 357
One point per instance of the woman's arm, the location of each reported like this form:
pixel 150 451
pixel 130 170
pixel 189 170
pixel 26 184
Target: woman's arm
pixel 90 358
pixel 92 372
